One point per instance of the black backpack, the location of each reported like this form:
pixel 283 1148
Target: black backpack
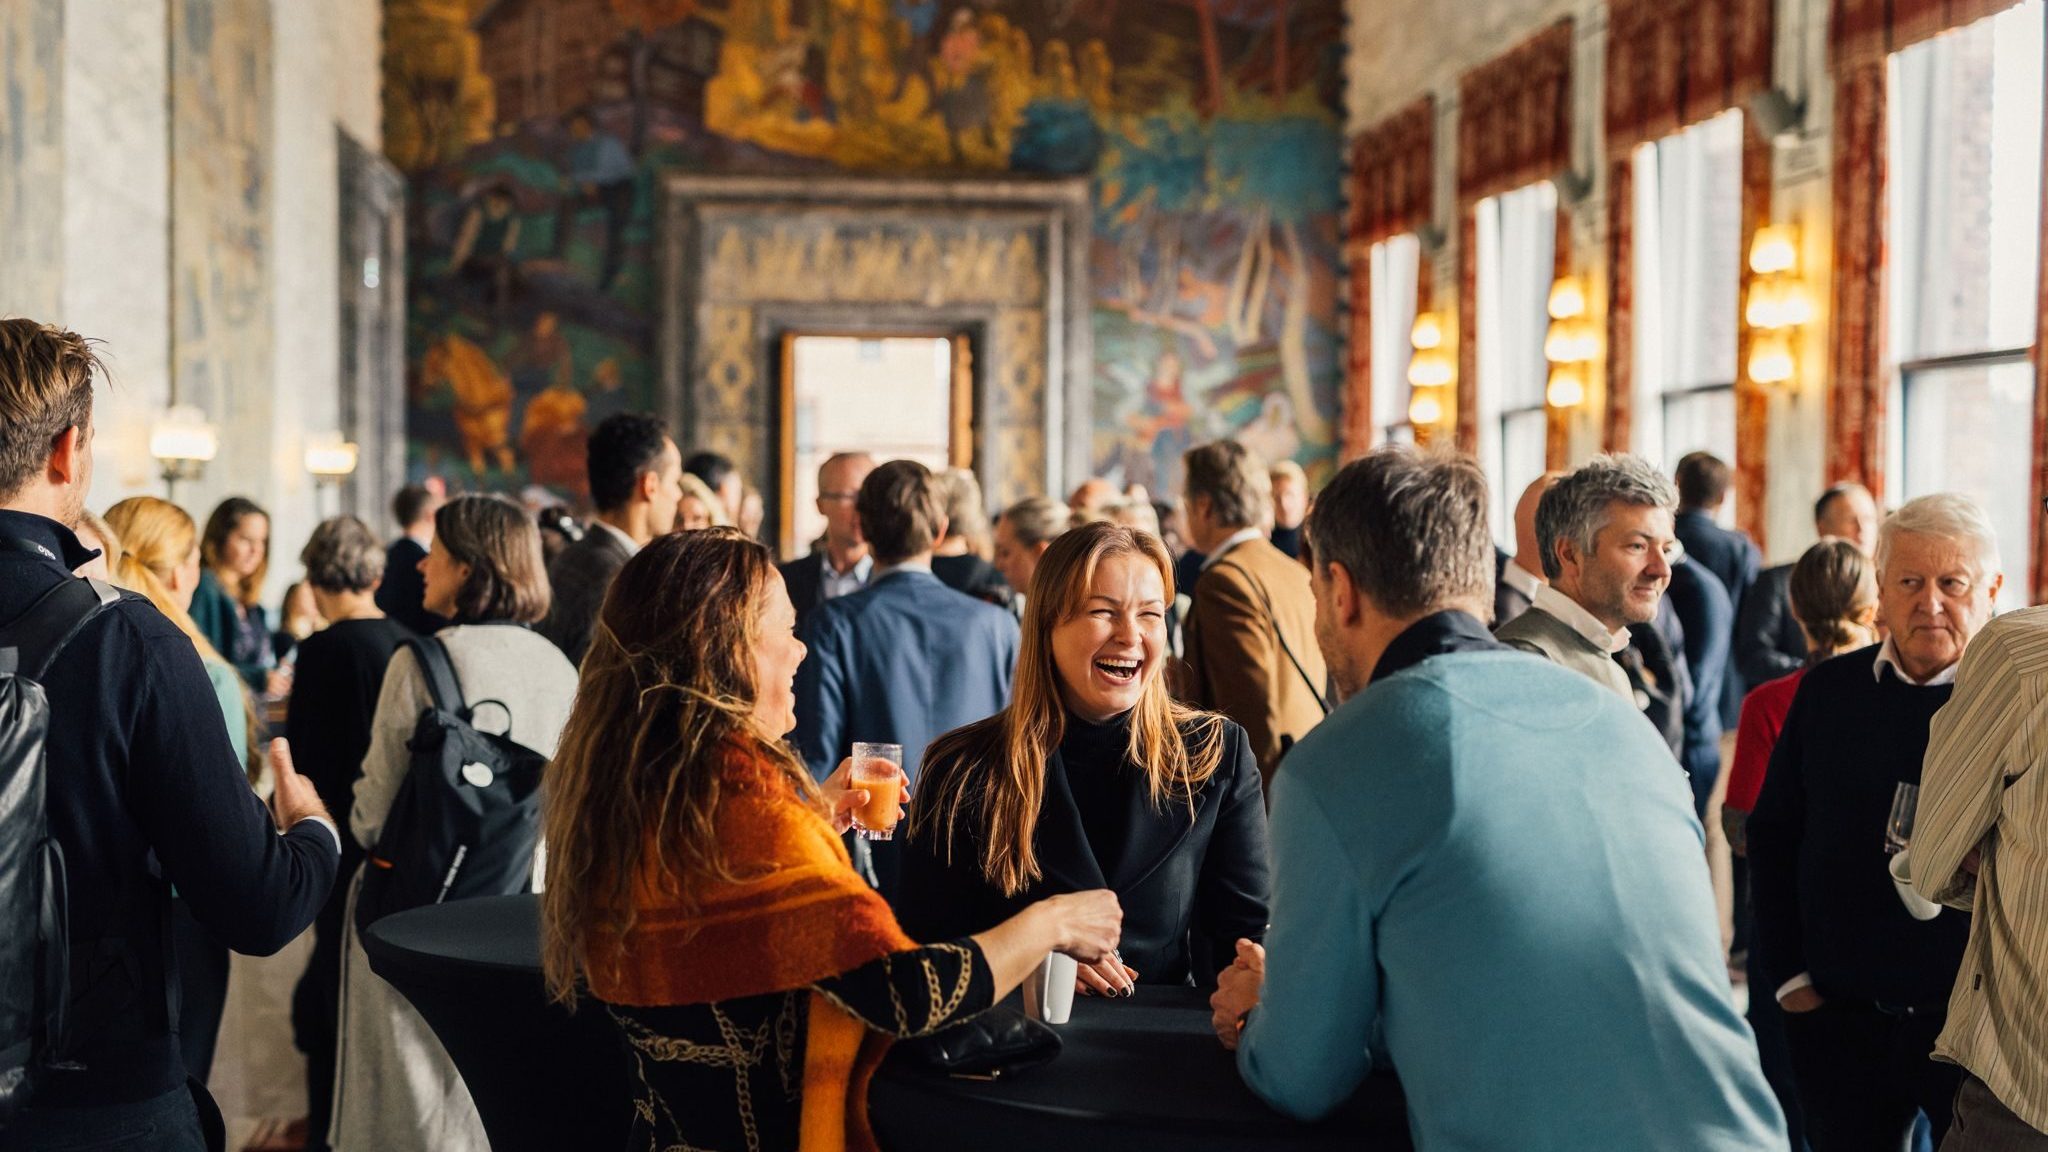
pixel 34 951
pixel 467 815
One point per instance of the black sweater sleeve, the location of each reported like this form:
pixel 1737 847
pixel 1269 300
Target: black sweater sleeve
pixel 1235 882
pixel 916 993
pixel 252 888
pixel 1774 831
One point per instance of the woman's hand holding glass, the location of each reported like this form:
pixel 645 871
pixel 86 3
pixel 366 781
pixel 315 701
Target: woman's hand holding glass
pixel 843 798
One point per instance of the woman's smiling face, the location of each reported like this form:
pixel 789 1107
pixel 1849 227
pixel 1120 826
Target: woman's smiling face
pixel 1111 648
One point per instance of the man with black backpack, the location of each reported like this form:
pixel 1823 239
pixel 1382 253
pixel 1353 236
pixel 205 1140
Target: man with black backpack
pixel 121 735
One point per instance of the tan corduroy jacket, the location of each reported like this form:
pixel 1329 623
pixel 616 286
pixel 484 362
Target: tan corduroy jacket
pixel 1235 663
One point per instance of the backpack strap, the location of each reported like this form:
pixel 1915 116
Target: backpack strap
pixel 31 641
pixel 440 673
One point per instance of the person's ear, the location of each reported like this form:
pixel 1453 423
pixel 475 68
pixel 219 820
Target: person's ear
pixel 648 483
pixel 1997 583
pixel 1568 558
pixel 67 456
pixel 1345 598
pixel 939 528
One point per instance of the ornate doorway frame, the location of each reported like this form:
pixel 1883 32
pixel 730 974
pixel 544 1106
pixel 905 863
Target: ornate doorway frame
pixel 746 259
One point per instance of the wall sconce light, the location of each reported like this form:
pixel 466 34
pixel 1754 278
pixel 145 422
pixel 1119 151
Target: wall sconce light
pixel 1778 302
pixel 1571 343
pixel 1775 250
pixel 330 458
pixel 182 442
pixel 1432 368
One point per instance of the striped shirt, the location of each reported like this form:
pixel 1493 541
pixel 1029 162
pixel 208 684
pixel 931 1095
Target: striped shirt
pixel 1982 786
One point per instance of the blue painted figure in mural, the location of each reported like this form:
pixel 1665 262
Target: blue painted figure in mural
pixel 599 172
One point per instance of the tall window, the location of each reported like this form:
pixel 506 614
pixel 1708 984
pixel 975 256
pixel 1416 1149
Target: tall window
pixel 1965 245
pixel 1688 285
pixel 1517 234
pixel 1396 262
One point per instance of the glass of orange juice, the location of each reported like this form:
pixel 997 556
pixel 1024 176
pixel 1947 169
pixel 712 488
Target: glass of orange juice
pixel 878 770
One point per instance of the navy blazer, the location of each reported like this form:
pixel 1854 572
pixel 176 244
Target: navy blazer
pixel 1707 625
pixel 1735 562
pixel 901 661
pixel 804 577
pixel 1768 640
pixel 1190 886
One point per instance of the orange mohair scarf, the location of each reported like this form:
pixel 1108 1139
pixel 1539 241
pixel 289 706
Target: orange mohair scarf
pixel 807 916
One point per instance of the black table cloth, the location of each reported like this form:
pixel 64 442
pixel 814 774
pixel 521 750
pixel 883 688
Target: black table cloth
pixel 544 1079
pixel 1134 1075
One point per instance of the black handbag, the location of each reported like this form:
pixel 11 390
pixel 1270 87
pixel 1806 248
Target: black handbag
pixel 999 1042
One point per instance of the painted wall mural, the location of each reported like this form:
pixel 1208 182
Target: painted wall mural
pixel 533 132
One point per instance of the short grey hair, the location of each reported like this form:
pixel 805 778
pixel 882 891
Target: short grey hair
pixel 1037 520
pixel 1576 507
pixel 1410 529
pixel 343 555
pixel 1946 516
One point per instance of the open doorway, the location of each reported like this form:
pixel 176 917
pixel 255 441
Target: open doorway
pixel 895 396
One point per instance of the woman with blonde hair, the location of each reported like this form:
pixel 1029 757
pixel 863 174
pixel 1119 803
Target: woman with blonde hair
pixel 960 558
pixel 697 884
pixel 1095 777
pixel 159 557
pixel 94 534
pixel 700 507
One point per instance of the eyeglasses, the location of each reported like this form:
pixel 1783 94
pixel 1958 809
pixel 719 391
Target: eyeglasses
pixel 848 497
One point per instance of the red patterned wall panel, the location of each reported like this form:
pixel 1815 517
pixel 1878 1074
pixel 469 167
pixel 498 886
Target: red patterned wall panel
pixel 1468 331
pixel 1856 368
pixel 1393 174
pixel 1752 401
pixel 1621 263
pixel 1514 116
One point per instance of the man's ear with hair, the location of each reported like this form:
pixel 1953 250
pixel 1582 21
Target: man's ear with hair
pixel 939 528
pixel 67 461
pixel 1347 602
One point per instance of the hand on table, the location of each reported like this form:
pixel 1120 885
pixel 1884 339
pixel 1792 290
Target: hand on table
pixel 1109 976
pixel 1237 992
pixel 843 798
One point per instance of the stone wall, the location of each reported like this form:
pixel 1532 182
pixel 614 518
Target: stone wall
pixel 115 176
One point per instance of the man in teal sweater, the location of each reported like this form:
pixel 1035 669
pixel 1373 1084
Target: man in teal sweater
pixel 1485 872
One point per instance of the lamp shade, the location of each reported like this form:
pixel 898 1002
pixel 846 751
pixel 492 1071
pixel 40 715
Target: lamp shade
pixel 1567 298
pixel 1567 388
pixel 1775 250
pixel 1770 359
pixel 181 434
pixel 330 457
pixel 1428 332
pixel 1424 408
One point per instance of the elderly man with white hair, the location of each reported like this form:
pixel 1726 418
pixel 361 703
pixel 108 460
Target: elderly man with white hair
pixel 1865 985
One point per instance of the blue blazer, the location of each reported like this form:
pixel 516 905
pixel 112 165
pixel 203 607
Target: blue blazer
pixel 1735 562
pixel 902 661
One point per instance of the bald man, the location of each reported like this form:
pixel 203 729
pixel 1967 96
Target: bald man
pixel 1521 574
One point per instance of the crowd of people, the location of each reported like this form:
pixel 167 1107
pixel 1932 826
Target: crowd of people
pixel 1395 795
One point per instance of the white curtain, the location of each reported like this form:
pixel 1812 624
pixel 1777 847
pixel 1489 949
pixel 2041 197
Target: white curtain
pixel 1396 264
pixel 1517 234
pixel 1964 248
pixel 1688 284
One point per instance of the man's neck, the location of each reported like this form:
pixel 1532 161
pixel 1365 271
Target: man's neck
pixel 1223 533
pixel 40 500
pixel 921 562
pixel 843 557
pixel 631 520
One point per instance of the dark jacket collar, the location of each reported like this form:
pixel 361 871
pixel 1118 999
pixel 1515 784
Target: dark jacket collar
pixel 1152 836
pixel 1435 635
pixel 53 541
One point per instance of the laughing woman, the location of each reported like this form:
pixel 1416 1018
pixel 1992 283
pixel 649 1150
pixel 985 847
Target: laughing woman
pixel 1094 777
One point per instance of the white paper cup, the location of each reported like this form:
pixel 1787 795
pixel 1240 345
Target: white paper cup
pixel 1049 990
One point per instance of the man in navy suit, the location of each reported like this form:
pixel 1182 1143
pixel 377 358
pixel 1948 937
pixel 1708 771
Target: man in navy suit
pixel 1703 480
pixel 905 659
pixel 404 590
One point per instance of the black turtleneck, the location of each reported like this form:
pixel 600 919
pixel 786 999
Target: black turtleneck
pixel 1102 779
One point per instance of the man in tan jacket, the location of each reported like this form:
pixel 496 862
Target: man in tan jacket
pixel 1251 640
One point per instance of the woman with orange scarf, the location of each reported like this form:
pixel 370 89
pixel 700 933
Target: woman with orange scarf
pixel 730 939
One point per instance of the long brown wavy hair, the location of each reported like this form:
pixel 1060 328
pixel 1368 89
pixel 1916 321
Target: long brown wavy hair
pixel 990 776
pixel 664 700
pixel 156 536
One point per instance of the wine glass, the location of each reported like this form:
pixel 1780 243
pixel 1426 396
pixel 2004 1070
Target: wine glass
pixel 1898 830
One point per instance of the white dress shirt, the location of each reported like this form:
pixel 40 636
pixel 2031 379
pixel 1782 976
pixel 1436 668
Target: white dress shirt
pixel 834 583
pixel 1229 542
pixel 1578 619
